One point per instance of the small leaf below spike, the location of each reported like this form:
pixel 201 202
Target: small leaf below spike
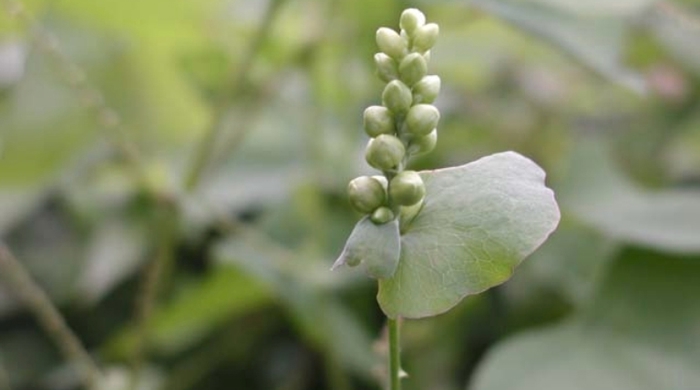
pixel 374 247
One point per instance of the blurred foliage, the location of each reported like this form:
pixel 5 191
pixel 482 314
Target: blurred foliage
pixel 605 95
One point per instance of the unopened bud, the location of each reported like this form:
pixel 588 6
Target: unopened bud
pixel 382 180
pixel 406 188
pixel 391 43
pixel 382 215
pixel 425 37
pixel 378 120
pixel 425 144
pixel 412 68
pixel 426 90
pixel 385 152
pixel 422 119
pixel 387 69
pixel 411 19
pixel 397 97
pixel 366 194
pixel 408 213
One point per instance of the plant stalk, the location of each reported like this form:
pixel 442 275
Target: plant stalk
pixel 150 288
pixel 4 378
pixel 394 354
pixel 90 97
pixel 48 316
pixel 238 84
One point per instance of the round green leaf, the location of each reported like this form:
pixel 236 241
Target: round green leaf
pixel 639 332
pixel 596 40
pixel 479 221
pixel 598 194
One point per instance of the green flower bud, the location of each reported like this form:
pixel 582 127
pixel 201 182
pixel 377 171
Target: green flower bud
pixel 378 120
pixel 425 144
pixel 425 37
pixel 366 194
pixel 391 43
pixel 382 215
pixel 422 119
pixel 382 179
pixel 387 69
pixel 408 213
pixel 426 55
pixel 411 19
pixel 426 90
pixel 385 152
pixel 412 68
pixel 406 188
pixel 397 97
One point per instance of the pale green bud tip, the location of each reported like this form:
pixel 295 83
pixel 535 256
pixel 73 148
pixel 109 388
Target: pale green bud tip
pixel 387 69
pixel 378 120
pixel 382 215
pixel 408 213
pixel 422 119
pixel 366 194
pixel 411 19
pixel 385 152
pixel 382 179
pixel 407 188
pixel 412 68
pixel 425 37
pixel 425 144
pixel 391 43
pixel 397 97
pixel 426 90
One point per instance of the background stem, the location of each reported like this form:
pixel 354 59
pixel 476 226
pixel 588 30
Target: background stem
pixel 150 288
pixel 48 316
pixel 90 96
pixel 238 85
pixel 4 378
pixel 394 354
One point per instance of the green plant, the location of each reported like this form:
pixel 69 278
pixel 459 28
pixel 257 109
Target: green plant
pixel 433 237
pixel 186 245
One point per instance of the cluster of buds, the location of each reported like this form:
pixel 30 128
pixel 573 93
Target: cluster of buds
pixel 405 125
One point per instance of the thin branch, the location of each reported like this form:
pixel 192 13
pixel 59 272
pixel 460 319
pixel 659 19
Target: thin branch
pixel 4 378
pixel 48 316
pixel 150 288
pixel 238 84
pixel 221 350
pixel 335 375
pixel 107 118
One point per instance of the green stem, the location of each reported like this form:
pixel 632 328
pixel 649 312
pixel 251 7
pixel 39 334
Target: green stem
pixel 238 85
pixel 336 377
pixel 394 354
pixel 150 288
pixel 48 316
pixel 4 378
pixel 75 77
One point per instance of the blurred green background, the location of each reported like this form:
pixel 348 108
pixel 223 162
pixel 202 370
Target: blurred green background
pixel 173 174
